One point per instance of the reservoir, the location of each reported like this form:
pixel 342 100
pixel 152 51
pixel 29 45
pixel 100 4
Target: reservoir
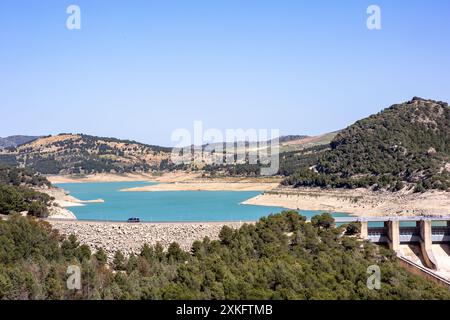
pixel 166 206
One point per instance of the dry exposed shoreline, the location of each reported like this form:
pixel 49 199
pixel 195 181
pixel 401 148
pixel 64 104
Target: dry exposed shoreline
pixel 63 201
pixel 173 181
pixel 359 202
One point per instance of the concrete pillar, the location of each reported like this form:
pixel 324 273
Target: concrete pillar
pixel 393 235
pixel 425 232
pixel 364 230
pixel 426 244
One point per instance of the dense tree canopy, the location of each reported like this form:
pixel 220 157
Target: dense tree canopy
pixel 405 145
pixel 280 257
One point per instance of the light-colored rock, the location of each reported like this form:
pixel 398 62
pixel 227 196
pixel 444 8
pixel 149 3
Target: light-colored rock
pixel 129 238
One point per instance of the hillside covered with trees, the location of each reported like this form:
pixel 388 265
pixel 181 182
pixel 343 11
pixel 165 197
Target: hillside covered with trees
pixel 281 257
pixel 407 144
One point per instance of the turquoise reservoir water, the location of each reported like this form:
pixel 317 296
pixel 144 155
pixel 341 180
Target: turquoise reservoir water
pixel 167 205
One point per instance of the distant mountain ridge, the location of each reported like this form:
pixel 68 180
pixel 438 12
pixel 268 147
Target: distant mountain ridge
pixel 15 141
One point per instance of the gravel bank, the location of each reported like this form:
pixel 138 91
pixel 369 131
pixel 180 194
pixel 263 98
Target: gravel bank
pixel 129 238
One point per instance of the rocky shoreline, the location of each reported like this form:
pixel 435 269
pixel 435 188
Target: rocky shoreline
pixel 206 186
pixel 358 202
pixel 129 237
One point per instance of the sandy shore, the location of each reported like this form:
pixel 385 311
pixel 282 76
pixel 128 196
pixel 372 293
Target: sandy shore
pixel 358 202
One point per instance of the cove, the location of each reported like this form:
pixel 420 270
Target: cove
pixel 166 206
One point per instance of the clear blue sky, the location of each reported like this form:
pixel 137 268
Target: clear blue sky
pixel 140 69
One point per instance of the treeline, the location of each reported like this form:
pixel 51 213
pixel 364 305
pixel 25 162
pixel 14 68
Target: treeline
pixel 16 194
pixel 8 159
pixel 21 176
pixel 280 257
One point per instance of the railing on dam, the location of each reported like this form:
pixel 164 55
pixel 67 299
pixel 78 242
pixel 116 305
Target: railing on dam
pixel 393 218
pixel 403 229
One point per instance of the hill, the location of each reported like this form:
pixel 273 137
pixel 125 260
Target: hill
pixel 291 148
pixel 82 154
pixel 15 141
pixel 406 144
